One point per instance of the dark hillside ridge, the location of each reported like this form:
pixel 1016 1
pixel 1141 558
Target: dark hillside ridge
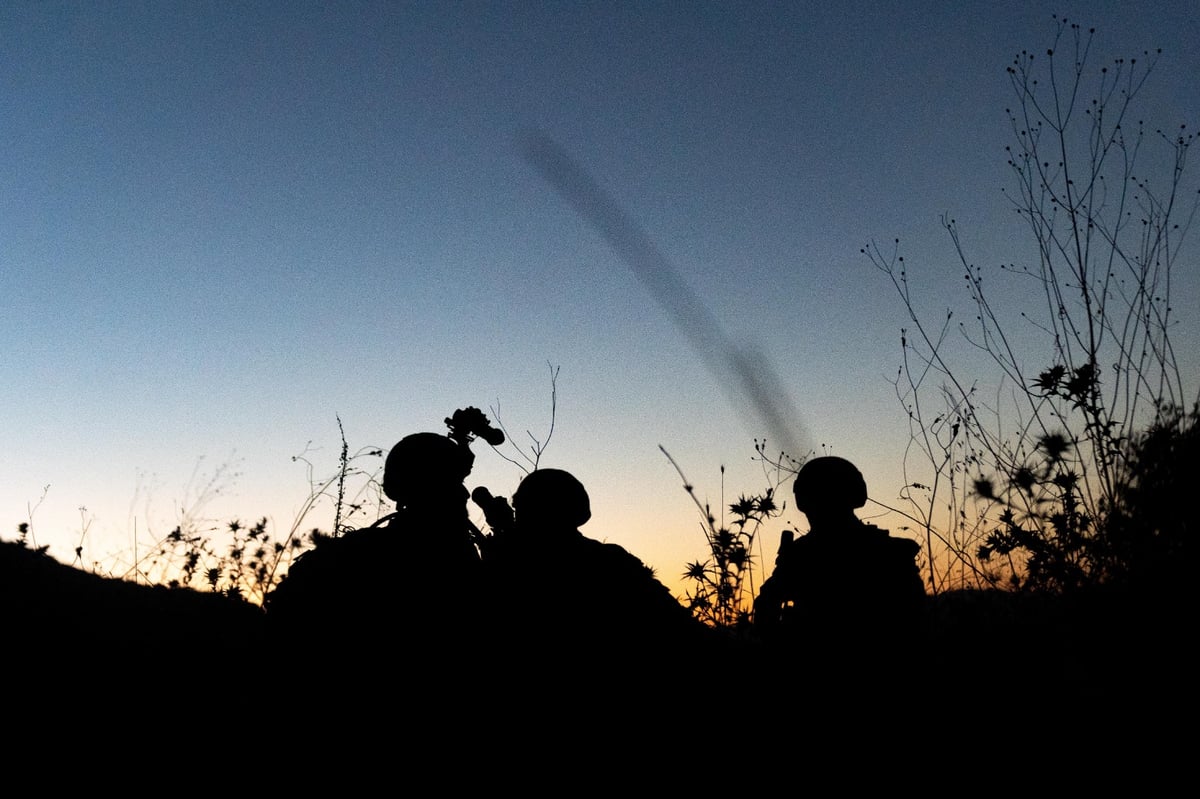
pixel 61 622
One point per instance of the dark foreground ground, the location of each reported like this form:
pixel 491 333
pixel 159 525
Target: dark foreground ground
pixel 997 673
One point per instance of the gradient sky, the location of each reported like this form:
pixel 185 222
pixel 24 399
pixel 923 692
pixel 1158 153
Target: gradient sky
pixel 226 225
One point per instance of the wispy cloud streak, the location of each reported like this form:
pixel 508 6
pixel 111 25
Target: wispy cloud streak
pixel 742 370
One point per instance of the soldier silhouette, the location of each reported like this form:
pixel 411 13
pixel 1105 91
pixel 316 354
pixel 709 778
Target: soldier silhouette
pixel 846 589
pixel 408 583
pixel 570 596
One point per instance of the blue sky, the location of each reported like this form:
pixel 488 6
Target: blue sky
pixel 226 226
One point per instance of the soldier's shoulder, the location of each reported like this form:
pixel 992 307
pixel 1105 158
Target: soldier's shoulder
pixel 328 552
pixel 354 541
pixel 874 531
pixel 616 559
pixel 879 533
pixel 812 542
pixel 896 543
pixel 607 551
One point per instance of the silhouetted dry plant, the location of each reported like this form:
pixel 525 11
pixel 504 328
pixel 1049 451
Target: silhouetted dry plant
pixel 245 561
pixel 1018 479
pixel 724 583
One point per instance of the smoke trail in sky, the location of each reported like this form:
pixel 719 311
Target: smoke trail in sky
pixel 734 366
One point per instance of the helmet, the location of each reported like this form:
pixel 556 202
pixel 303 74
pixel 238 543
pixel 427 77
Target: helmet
pixel 424 462
pixel 829 483
pixel 551 495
